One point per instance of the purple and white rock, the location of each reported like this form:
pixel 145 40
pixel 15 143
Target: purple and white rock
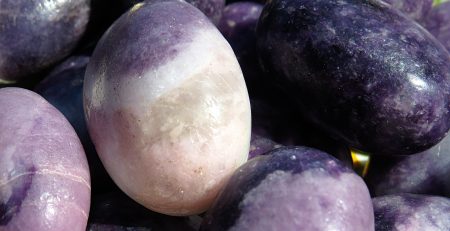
pixel 211 8
pixel 437 23
pixel 423 173
pixel 410 212
pixel 36 34
pixel 238 26
pixel 63 88
pixel 166 107
pixel 292 188
pixel 359 70
pixel 415 9
pixel 44 175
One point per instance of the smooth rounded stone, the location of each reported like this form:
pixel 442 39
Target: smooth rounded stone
pixel 360 70
pixel 410 212
pixel 166 107
pixel 437 23
pixel 292 188
pixel 63 88
pixel 117 212
pixel 260 145
pixel 423 173
pixel 44 175
pixel 211 8
pixel 415 9
pixel 238 26
pixel 37 34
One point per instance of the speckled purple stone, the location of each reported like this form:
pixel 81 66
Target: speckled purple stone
pixel 438 24
pixel 63 88
pixel 36 34
pixel 44 175
pixel 423 173
pixel 360 70
pixel 292 188
pixel 410 212
pixel 415 9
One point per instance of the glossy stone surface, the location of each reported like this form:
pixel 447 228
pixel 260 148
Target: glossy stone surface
pixel 211 8
pixel 117 212
pixel 362 72
pixel 437 23
pixel 415 9
pixel 292 188
pixel 36 34
pixel 63 88
pixel 238 26
pixel 167 107
pixel 44 175
pixel 423 173
pixel 410 212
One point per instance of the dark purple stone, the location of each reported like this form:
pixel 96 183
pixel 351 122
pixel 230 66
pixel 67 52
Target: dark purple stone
pixel 63 88
pixel 423 173
pixel 36 34
pixel 292 188
pixel 360 70
pixel 410 212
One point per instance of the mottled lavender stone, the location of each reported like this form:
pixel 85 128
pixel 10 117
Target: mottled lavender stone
pixel 438 24
pixel 410 212
pixel 292 188
pixel 260 145
pixel 360 70
pixel 423 173
pixel 211 8
pixel 167 107
pixel 238 26
pixel 36 34
pixel 63 88
pixel 44 175
pixel 415 9
pixel 117 212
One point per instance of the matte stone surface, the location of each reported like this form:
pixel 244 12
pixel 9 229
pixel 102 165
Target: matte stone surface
pixel 167 107
pixel 36 34
pixel 409 212
pixel 364 73
pixel 260 145
pixel 44 175
pixel 292 188
pixel 427 172
pixel 415 9
pixel 63 88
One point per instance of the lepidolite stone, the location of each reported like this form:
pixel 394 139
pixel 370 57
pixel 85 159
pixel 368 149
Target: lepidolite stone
pixel 292 188
pixel 44 175
pixel 360 70
pixel 166 107
pixel 36 34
